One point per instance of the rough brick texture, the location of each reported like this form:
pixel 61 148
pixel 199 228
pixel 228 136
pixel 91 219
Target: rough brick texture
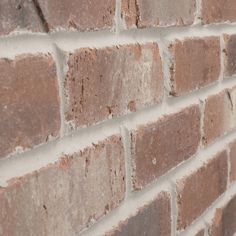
pixel 196 63
pixel 80 14
pixel 216 11
pixel 29 102
pixel 160 146
pixel 200 233
pixel 152 220
pixel 62 198
pixel 151 13
pixel 233 161
pixel 196 192
pixel 18 15
pixel 123 79
pixel 224 220
pixel 219 115
pixel 230 55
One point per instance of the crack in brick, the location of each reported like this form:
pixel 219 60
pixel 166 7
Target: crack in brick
pixel 41 16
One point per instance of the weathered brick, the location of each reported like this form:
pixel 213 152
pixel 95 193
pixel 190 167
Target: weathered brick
pixel 196 192
pixel 219 115
pixel 160 146
pixel 233 161
pixel 82 15
pixel 151 13
pixel 200 233
pixel 18 15
pixel 29 102
pixel 110 82
pixel 216 11
pixel 63 198
pixel 196 63
pixel 230 54
pixel 153 219
pixel 224 220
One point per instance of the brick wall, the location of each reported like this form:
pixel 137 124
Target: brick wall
pixel 117 117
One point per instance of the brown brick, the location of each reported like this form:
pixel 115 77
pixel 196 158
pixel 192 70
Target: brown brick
pixel 151 220
pixel 200 233
pixel 224 220
pixel 17 15
pixel 219 115
pixel 196 63
pixel 29 102
pixel 151 13
pixel 110 82
pixel 233 161
pixel 216 11
pixel 230 54
pixel 200 189
pixel 63 198
pixel 82 15
pixel 160 146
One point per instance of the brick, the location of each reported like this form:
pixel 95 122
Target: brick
pixel 232 161
pixel 65 197
pixel 200 233
pixel 224 220
pixel 153 219
pixel 219 115
pixel 162 145
pixel 81 15
pixel 151 13
pixel 216 11
pixel 196 64
pixel 18 15
pixel 112 81
pixel 196 192
pixel 230 55
pixel 29 102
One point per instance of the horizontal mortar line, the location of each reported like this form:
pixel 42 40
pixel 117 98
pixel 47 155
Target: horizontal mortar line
pixel 47 153
pixel 13 45
pixel 208 214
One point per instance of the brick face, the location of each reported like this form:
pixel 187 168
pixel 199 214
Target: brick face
pixel 230 55
pixel 196 192
pixel 80 14
pixel 62 198
pixel 151 13
pixel 18 14
pixel 200 233
pixel 224 220
pixel 29 102
pixel 196 63
pixel 123 79
pixel 160 146
pixel 219 115
pixel 216 11
pixel 152 220
pixel 233 161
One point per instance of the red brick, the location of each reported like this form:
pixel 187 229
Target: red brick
pixel 224 220
pixel 151 13
pixel 29 102
pixel 196 64
pixel 18 15
pixel 216 11
pixel 151 220
pixel 219 115
pixel 196 192
pixel 230 54
pixel 82 15
pixel 160 146
pixel 63 198
pixel 233 161
pixel 110 82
